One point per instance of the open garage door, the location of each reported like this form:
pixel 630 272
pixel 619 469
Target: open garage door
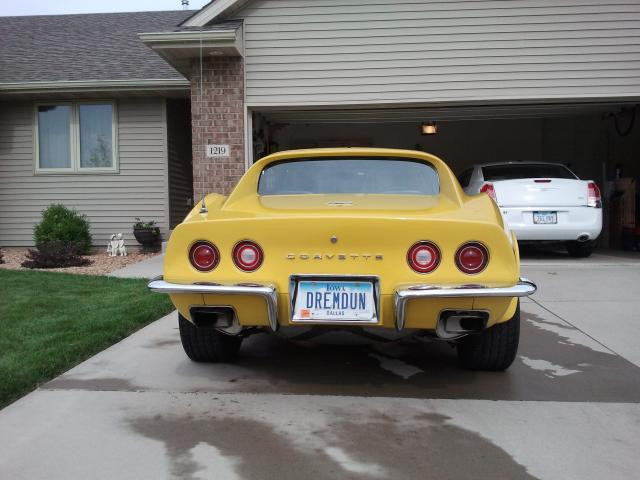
pixel 598 141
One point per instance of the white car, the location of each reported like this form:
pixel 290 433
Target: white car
pixel 541 201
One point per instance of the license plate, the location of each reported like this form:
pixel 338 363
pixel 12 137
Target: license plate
pixel 334 301
pixel 545 218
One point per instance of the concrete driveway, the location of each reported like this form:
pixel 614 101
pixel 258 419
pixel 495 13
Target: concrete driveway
pixel 344 407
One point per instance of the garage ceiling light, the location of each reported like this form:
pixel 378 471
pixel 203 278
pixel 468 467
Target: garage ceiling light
pixel 430 128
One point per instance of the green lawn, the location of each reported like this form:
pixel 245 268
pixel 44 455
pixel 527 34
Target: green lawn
pixel 50 322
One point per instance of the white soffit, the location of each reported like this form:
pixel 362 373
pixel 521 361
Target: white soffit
pixel 179 48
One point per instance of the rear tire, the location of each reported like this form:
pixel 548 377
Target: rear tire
pixel 207 344
pixel 579 249
pixel 492 349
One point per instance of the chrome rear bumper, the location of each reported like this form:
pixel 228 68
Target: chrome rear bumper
pixel 267 292
pixel 523 288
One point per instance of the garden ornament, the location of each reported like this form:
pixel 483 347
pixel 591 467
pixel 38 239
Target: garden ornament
pixel 116 246
pixel 112 246
pixel 122 249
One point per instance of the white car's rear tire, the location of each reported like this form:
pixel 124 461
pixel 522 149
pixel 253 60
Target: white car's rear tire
pixel 207 344
pixel 492 349
pixel 579 249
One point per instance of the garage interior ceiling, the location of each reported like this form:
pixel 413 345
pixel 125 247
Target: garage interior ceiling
pixel 412 115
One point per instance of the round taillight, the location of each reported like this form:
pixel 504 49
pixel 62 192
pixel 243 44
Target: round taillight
pixel 247 256
pixel 204 256
pixel 472 257
pixel 424 257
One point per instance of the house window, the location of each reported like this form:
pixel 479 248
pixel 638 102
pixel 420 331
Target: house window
pixel 54 136
pixel 76 137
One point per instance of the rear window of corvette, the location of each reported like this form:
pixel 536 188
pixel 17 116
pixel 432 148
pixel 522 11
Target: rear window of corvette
pixel 370 175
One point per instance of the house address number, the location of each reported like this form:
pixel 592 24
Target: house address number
pixel 218 150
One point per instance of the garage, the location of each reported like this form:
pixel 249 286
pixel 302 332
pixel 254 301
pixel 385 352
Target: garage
pixel 493 81
pixel 597 141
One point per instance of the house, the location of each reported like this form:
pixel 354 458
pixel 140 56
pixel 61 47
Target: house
pixel 139 114
pixel 90 117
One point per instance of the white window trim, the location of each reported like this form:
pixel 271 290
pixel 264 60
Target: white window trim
pixel 74 138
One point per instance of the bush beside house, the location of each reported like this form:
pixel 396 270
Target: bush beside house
pixel 61 238
pixel 65 225
pixel 55 254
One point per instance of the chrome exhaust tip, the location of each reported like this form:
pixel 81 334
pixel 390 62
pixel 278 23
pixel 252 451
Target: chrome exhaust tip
pixel 212 317
pixel 583 238
pixel 454 324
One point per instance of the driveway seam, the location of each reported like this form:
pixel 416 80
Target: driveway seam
pixel 173 393
pixel 579 329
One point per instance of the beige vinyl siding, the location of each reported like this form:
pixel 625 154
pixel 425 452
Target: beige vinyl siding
pixel 305 52
pixel 111 201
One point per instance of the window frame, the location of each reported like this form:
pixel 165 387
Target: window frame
pixel 36 134
pixel 74 138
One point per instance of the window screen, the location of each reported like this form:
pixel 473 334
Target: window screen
pixel 96 136
pixel 54 136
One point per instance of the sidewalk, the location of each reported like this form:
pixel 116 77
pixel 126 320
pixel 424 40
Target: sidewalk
pixel 145 269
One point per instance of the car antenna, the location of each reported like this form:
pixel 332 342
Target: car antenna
pixel 203 207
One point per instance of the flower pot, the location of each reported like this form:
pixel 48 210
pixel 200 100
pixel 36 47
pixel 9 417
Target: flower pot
pixel 149 238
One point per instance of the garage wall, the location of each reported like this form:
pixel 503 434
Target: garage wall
pixel 588 142
pixel 583 142
pixel 304 52
pixel 111 201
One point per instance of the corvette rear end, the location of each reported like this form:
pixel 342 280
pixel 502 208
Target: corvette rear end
pixel 383 240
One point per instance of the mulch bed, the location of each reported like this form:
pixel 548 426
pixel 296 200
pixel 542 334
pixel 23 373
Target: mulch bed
pixel 101 264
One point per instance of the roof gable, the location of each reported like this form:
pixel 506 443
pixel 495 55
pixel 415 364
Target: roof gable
pixel 213 11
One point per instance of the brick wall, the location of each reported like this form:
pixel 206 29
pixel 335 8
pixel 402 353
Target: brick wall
pixel 217 117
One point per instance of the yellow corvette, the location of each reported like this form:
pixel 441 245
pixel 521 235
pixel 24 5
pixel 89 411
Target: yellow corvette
pixel 377 239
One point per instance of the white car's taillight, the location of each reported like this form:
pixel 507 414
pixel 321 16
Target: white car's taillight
pixel 593 198
pixel 489 190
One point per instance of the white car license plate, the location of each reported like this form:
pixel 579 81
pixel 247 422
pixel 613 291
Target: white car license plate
pixel 334 301
pixel 545 218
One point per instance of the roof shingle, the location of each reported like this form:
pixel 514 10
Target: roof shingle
pixel 102 46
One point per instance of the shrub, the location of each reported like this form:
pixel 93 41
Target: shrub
pixel 55 254
pixel 1 256
pixel 61 224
